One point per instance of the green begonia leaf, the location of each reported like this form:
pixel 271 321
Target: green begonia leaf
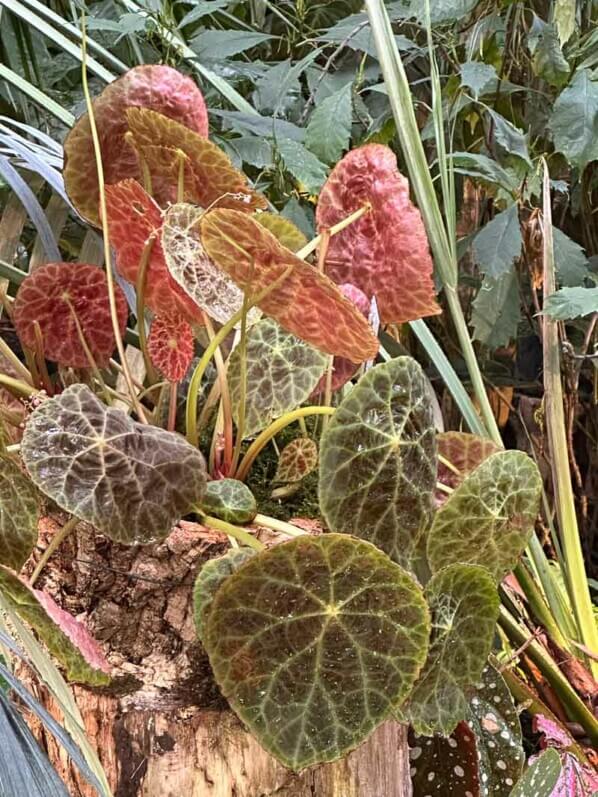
pixel 489 518
pixel 282 371
pixel 541 778
pixel 130 480
pixel 463 600
pixel 464 452
pixel 230 500
pixel 19 514
pixel 378 460
pixel 314 642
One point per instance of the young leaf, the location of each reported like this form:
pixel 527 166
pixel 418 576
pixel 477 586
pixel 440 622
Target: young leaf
pixel 281 372
pixel 385 253
pixel 498 243
pixel 574 120
pixel 64 636
pixel 302 164
pixel 378 460
pixel 329 130
pixel 151 86
pixel 297 460
pixel 314 642
pixel 541 777
pixel 464 603
pixel 230 500
pixel 571 303
pixel 67 299
pixel 212 574
pixel 19 515
pixel 305 302
pixel 489 518
pixel 465 452
pixel 495 315
pixel 170 346
pixel 283 230
pixel 133 220
pixel 445 767
pixel 130 480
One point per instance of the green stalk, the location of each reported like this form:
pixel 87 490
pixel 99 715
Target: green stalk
pixel 539 607
pixel 17 386
pixel 278 525
pixel 242 388
pixel 576 579
pixel 53 545
pixel 236 532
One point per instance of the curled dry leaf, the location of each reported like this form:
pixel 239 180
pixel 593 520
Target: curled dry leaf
pixel 61 297
pixel 150 86
pixel 305 302
pixel 133 219
pixel 385 253
pixel 465 452
pixel 170 346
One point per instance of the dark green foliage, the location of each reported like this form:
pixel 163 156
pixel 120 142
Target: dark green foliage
pixel 230 500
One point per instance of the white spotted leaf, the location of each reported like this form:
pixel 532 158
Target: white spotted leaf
pixel 541 778
pixel 444 766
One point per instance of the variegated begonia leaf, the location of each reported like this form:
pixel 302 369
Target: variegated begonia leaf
pixel 463 600
pixel 283 230
pixel 577 779
pixel 69 300
pixel 134 219
pixel 170 346
pixel 150 86
pixel 65 637
pixel 230 500
pixel 385 253
pixel 304 302
pixel 445 766
pixel 187 261
pixel 19 515
pixel 378 460
pixel 210 177
pixel 281 372
pixel 314 642
pixel 490 517
pixel 465 452
pixel 297 460
pixel 212 574
pixel 540 779
pixel 132 481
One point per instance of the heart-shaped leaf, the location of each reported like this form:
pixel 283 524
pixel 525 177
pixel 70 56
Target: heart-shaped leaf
pixel 281 372
pixel 489 518
pixel 464 603
pixel 68 300
pixel 464 452
pixel 210 177
pixel 297 459
pixel 170 346
pixel 153 86
pixel 385 253
pixel 305 302
pixel 19 515
pixel 445 767
pixel 230 500
pixel 187 261
pixel 65 637
pixel 283 230
pixel 209 579
pixel 541 777
pixel 134 219
pixel 378 460
pixel 314 642
pixel 131 481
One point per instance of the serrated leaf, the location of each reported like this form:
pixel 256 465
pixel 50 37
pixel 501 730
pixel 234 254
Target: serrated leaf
pixel 329 130
pixel 442 11
pixel 541 777
pixel 281 372
pixel 378 460
pixel 305 303
pixel 574 120
pixel 314 642
pixel 170 346
pixel 217 45
pixel 132 481
pixel 548 60
pixel 65 638
pixel 497 244
pixel 230 500
pixel 570 260
pixel 490 517
pixel 283 230
pixel 571 303
pixel 61 297
pixel 302 164
pixel 152 86
pixel 481 167
pixel 496 313
pixel 19 515
pixel 385 253
pixel 209 579
pixel 479 77
pixel 445 767
pixel 465 452
pixel 464 603
pixel 297 460
pixel 510 138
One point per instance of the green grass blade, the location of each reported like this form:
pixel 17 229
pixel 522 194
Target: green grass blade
pixel 38 96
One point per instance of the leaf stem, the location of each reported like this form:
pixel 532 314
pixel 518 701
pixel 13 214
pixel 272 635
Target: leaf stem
pixel 140 288
pixel 54 544
pixel 242 388
pixel 17 385
pixel 278 525
pixel 336 228
pixel 237 532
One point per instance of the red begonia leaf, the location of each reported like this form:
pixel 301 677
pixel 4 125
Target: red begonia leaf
pixel 150 86
pixel 56 296
pixel 170 346
pixel 133 217
pixel 209 174
pixel 465 452
pixel 384 253
pixel 305 302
